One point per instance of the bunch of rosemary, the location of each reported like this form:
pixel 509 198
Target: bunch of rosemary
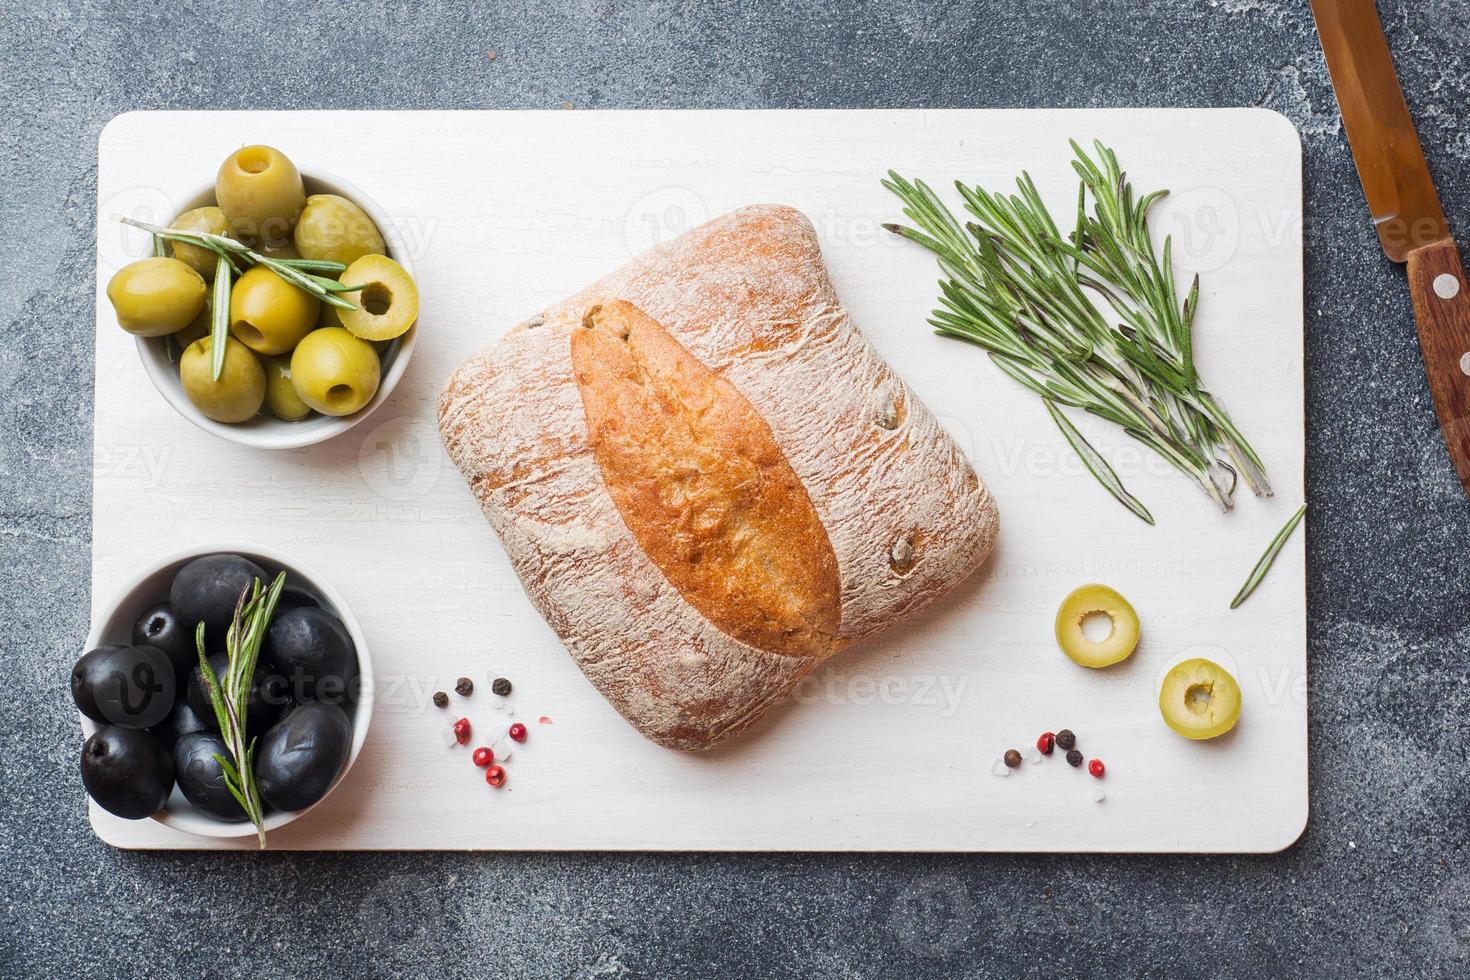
pixel 304 274
pixel 230 694
pixel 1035 299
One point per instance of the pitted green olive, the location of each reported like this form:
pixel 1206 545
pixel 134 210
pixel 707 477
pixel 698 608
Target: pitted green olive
pixel 388 302
pixel 268 314
pixel 335 372
pixel 261 193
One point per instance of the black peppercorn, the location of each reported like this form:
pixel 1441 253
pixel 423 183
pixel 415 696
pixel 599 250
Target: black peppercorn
pixel 501 686
pixel 464 687
pixel 441 700
pixel 1013 758
pixel 1074 758
pixel 1066 740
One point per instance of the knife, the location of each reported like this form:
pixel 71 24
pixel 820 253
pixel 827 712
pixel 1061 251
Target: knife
pixel 1406 210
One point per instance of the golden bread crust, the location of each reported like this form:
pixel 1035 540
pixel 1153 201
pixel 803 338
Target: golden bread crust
pixel 698 478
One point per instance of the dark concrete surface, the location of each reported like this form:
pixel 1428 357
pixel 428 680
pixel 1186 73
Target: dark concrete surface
pixel 1379 884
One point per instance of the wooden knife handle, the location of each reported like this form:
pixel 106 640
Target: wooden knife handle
pixel 1442 309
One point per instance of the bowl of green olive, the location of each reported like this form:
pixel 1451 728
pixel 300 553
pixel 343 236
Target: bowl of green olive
pixel 302 276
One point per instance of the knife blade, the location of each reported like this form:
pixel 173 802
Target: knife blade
pixel 1405 207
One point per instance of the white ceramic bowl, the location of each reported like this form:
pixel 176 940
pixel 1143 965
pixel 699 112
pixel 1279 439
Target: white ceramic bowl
pixel 152 586
pixel 263 431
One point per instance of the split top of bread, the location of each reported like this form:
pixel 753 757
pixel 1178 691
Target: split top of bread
pixel 707 480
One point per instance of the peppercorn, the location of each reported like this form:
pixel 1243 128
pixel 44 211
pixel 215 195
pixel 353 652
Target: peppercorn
pixel 1074 758
pixel 441 700
pixel 484 756
pixel 1045 743
pixel 495 776
pixel 464 687
pixel 462 731
pixel 517 732
pixel 1013 758
pixel 1066 740
pixel 501 686
pixel 1097 768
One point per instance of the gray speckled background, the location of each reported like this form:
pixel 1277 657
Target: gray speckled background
pixel 1378 885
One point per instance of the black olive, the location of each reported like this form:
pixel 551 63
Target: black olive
pixel 129 686
pixel 201 779
pixel 293 597
pixel 312 650
pixel 268 695
pixel 127 772
pixel 297 760
pixel 160 627
pixel 207 590
pixel 180 722
pixel 86 679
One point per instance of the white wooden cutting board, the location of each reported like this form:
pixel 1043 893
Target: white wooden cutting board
pixel 890 745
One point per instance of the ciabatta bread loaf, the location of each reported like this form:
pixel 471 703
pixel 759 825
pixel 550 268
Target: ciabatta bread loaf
pixel 707 480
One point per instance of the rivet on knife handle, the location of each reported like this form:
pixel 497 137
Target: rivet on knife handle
pixel 1442 311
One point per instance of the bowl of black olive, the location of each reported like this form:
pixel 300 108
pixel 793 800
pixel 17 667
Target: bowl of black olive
pixel 158 733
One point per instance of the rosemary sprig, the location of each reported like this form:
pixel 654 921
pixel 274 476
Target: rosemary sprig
pixel 231 250
pixel 1035 299
pixel 1096 464
pixel 219 327
pixel 231 695
pixel 1269 558
pixel 301 273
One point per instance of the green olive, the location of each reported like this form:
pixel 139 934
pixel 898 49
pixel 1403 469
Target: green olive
pixel 335 229
pixel 268 314
pixel 335 372
pixel 240 390
pixel 154 297
pixel 198 327
pixel 286 249
pixel 387 303
pixel 261 193
pixel 1085 602
pixel 280 394
pixel 201 260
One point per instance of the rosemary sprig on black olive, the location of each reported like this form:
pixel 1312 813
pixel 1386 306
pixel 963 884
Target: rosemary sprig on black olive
pixel 230 694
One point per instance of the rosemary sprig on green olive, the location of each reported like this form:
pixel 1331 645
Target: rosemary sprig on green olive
pixel 301 273
pixel 291 270
pixel 1035 299
pixel 1269 558
pixel 219 327
pixel 230 695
